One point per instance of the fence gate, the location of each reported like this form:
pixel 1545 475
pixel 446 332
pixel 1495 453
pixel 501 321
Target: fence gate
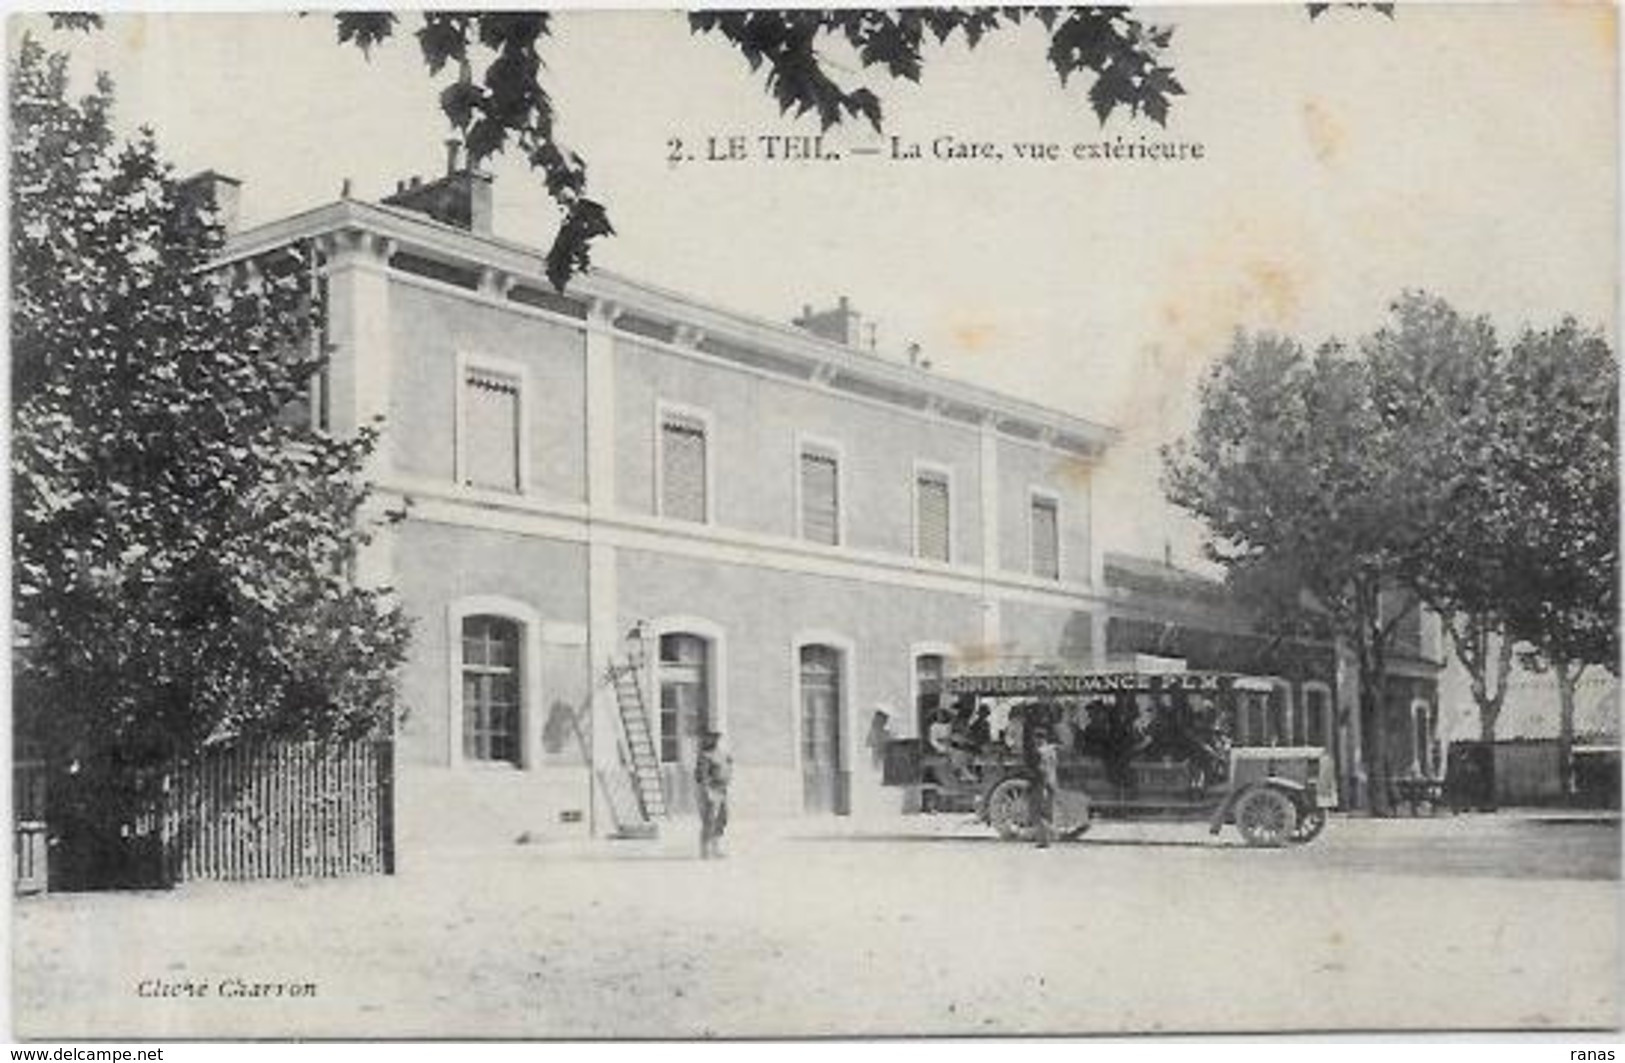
pixel 281 810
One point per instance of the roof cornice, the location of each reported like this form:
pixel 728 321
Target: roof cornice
pixel 823 359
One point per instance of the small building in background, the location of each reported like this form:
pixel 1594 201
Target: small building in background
pixel 1526 755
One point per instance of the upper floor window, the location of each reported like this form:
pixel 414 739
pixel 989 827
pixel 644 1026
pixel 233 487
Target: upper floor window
pixel 684 458
pixel 931 514
pixel 1045 528
pixel 490 423
pixel 491 689
pixel 820 495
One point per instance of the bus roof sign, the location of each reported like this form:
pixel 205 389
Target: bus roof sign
pixel 1050 683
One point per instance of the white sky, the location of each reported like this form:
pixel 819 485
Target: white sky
pixel 1471 151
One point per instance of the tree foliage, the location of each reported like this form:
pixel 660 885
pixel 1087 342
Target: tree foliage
pixel 1561 463
pixel 1430 459
pixel 1302 494
pixel 1439 381
pixel 496 99
pixel 1560 460
pixel 1523 442
pixel 182 546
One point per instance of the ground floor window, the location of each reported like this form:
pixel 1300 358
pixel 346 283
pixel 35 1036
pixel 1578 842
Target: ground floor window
pixel 1423 756
pixel 1317 703
pixel 929 671
pixel 491 689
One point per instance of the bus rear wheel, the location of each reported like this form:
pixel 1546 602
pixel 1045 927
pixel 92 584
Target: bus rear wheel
pixel 1008 810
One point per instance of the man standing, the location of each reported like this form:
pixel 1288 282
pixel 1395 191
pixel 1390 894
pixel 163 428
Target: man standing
pixel 1041 759
pixel 713 771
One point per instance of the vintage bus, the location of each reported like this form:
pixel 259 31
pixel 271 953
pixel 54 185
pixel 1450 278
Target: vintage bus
pixel 1129 744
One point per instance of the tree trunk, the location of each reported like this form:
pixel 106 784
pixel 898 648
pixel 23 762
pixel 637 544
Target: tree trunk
pixel 1374 727
pixel 1568 677
pixel 1473 651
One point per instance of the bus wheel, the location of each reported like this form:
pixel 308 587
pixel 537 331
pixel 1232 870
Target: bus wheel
pixel 1008 811
pixel 1072 814
pixel 1266 817
pixel 1311 821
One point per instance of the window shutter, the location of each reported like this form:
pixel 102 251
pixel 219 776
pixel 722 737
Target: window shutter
pixel 931 491
pixel 1046 540
pixel 491 426
pixel 683 469
pixel 820 498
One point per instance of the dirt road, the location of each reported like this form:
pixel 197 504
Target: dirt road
pixel 906 927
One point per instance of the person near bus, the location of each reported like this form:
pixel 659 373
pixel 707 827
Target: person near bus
pixel 1041 758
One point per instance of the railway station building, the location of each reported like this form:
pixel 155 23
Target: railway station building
pixel 783 532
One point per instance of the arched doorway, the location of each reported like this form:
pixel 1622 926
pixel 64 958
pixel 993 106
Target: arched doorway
pixel 824 775
pixel 683 673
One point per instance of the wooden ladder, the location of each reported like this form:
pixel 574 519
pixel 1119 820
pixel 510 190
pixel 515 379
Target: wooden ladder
pixel 632 789
pixel 640 759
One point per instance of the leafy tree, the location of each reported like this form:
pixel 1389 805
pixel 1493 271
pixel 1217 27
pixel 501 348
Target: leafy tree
pixel 1303 494
pixel 1440 387
pixel 1560 461
pixel 181 544
pixel 497 99
pixel 1481 480
pixel 1522 447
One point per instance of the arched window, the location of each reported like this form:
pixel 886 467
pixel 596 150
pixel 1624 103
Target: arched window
pixel 929 671
pixel 492 689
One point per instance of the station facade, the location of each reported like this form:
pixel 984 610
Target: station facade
pixel 786 532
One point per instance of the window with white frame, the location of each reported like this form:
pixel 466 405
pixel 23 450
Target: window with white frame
pixel 1045 527
pixel 684 695
pixel 490 420
pixel 491 689
pixel 683 457
pixel 931 514
pixel 1317 715
pixel 820 495
pixel 930 669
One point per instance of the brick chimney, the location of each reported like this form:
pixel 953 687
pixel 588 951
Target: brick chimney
pixel 841 323
pixel 214 191
pixel 461 198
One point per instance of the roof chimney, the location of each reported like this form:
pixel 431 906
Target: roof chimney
pixel 841 324
pixel 217 194
pixel 461 198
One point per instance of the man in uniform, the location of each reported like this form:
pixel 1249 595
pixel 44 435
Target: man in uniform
pixel 713 771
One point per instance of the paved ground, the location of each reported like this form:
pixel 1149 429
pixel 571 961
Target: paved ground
pixel 901 927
